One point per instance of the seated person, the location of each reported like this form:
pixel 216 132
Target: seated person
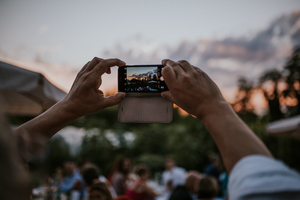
pixel 139 189
pixel 188 191
pixel 208 188
pixel 99 191
pixel 173 175
pixel 91 175
pixel 73 181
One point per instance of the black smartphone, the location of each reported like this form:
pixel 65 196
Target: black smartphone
pixel 141 78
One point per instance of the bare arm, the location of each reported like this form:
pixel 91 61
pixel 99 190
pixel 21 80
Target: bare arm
pixel 84 98
pixel 192 90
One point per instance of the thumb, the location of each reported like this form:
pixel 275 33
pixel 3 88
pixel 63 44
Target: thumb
pixel 168 95
pixel 115 99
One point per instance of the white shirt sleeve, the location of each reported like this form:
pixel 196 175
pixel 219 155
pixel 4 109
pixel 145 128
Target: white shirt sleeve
pixel 260 177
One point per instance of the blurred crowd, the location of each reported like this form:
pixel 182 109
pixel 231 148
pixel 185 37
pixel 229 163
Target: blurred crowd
pixel 126 181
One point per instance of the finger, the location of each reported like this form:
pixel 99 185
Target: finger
pixel 113 100
pixel 108 71
pixel 84 67
pixel 168 95
pixel 176 67
pixel 105 65
pixel 164 61
pixel 185 65
pixel 93 63
pixel 169 76
pixel 197 68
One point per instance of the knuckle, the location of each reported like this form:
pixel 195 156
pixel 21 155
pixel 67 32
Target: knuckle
pixel 95 58
pixel 185 78
pixel 173 64
pixel 183 62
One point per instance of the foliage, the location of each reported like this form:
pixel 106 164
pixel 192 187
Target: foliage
pixel 186 139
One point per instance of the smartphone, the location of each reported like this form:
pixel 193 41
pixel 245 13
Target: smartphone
pixel 141 79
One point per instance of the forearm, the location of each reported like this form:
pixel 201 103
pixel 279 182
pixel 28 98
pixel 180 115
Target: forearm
pixel 39 130
pixel 233 137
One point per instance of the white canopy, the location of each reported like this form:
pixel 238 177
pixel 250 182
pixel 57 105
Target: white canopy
pixel 290 126
pixel 25 92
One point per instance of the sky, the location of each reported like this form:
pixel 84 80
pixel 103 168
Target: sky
pixel 140 72
pixel 226 40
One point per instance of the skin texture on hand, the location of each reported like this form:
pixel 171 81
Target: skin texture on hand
pixel 192 90
pixel 84 98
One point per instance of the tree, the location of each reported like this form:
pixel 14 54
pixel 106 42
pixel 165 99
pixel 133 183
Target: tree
pixel 154 78
pixel 243 97
pixel 98 149
pixel 273 77
pixel 292 71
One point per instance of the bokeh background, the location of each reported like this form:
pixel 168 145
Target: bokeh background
pixel 249 48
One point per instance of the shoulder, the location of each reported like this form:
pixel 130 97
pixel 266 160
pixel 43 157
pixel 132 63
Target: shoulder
pixel 258 175
pixel 179 170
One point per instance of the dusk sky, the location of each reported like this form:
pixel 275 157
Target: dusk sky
pixel 226 40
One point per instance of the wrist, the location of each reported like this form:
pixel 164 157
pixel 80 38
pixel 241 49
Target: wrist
pixel 69 110
pixel 213 111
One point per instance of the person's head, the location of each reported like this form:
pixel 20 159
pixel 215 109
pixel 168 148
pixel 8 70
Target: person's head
pixel 191 181
pixel 123 165
pixel 215 160
pixel 169 163
pixel 142 171
pixel 99 191
pixel 90 173
pixel 58 171
pixel 208 187
pixel 69 167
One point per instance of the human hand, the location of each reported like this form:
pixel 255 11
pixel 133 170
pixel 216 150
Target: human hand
pixel 190 88
pixel 85 97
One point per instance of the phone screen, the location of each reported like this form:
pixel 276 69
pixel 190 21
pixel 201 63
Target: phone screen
pixel 141 78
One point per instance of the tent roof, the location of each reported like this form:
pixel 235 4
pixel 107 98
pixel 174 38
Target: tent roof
pixel 25 92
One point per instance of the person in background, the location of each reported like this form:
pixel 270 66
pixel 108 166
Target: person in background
pixel 72 184
pixel 214 169
pixel 119 175
pixel 173 175
pixel 99 191
pixel 188 191
pixel 91 174
pixel 208 188
pixel 139 188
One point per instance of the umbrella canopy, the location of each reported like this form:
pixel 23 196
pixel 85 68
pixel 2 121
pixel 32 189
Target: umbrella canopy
pixel 24 92
pixel 290 126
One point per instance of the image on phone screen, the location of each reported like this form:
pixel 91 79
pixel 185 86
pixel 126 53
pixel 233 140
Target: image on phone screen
pixel 141 78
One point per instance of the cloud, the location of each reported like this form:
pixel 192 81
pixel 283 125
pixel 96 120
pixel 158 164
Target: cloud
pixel 224 60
